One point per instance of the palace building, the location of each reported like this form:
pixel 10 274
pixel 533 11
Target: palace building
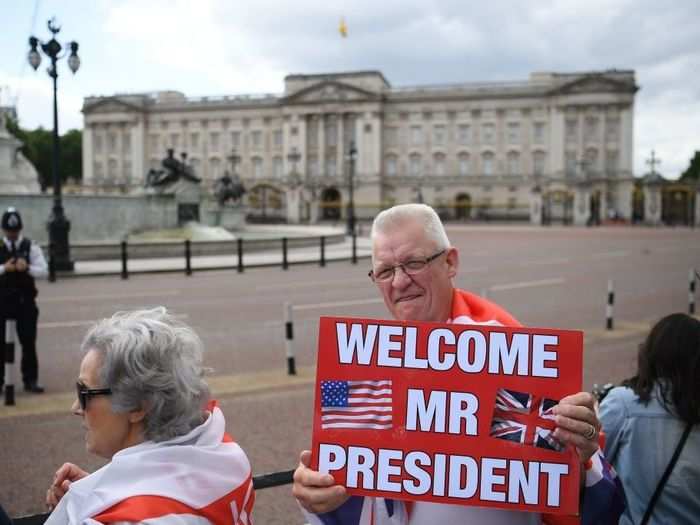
pixel 472 150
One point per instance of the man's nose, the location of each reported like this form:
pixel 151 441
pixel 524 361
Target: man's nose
pixel 400 277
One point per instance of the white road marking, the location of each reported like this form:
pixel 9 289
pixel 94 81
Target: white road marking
pixel 560 260
pixel 73 324
pixel 607 255
pixel 526 284
pixel 314 284
pixel 315 306
pixel 69 298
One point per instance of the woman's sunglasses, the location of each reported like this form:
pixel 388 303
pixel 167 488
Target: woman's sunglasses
pixel 84 393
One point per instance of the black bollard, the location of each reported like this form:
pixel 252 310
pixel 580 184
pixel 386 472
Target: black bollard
pixel 285 262
pixel 188 257
pixel 9 364
pixel 609 307
pixel 322 260
pixel 239 243
pixel 289 339
pixel 125 256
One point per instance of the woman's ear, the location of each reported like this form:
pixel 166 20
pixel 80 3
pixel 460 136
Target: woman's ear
pixel 137 416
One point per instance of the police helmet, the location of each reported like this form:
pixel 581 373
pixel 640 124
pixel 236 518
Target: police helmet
pixel 11 220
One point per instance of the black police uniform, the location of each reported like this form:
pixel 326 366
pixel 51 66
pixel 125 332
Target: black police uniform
pixel 18 301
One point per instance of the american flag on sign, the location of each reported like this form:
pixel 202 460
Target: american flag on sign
pixel 356 404
pixel 525 419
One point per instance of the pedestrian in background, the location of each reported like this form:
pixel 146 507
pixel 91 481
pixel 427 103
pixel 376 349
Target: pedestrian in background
pixel 651 425
pixel 21 262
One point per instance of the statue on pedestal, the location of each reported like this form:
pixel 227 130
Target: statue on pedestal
pixel 174 170
pixel 228 189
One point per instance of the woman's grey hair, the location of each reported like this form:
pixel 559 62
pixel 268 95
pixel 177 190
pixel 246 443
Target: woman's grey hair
pixel 152 361
pixel 423 214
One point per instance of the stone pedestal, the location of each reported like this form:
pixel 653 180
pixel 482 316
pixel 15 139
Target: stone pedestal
pixel 229 216
pixel 652 204
pixel 293 195
pixel 536 207
pixel 582 205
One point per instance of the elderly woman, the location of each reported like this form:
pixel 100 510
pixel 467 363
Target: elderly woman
pixel 145 406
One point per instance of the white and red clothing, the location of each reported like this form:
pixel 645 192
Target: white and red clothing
pixel 603 498
pixel 202 477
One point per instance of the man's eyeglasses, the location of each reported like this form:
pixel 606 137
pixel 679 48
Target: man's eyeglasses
pixel 412 267
pixel 84 393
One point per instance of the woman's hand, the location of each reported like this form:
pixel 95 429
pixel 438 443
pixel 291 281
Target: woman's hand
pixel 577 424
pixel 67 474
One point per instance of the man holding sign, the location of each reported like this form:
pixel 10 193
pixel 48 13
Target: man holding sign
pixel 413 267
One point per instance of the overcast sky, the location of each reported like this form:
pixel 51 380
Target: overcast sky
pixel 219 47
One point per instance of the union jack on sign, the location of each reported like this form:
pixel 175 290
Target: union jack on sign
pixel 526 419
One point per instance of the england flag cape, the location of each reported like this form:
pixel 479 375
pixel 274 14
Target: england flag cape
pixel 202 477
pixel 603 500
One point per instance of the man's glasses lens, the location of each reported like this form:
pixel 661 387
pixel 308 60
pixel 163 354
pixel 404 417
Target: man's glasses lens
pixel 410 267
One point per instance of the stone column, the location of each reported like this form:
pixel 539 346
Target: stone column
pixel 340 148
pixel 321 157
pixel 88 154
pixel 138 151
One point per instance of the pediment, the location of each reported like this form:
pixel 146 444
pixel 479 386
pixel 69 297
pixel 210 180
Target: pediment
pixel 331 91
pixel 595 84
pixel 110 105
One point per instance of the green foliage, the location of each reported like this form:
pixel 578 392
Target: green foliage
pixel 692 174
pixel 38 149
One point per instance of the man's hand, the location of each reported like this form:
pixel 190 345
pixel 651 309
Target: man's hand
pixel 316 492
pixel 67 474
pixel 21 265
pixel 577 424
pixel 10 265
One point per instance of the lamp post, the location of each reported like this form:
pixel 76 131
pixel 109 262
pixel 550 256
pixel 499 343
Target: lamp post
pixel 58 225
pixel 352 157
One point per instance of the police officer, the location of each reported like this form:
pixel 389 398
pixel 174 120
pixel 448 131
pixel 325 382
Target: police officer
pixel 21 261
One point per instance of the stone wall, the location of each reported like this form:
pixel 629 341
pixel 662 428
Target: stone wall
pixel 95 217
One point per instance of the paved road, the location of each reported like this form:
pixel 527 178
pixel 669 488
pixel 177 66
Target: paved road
pixel 547 277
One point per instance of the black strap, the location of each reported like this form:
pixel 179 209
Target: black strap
pixel 667 473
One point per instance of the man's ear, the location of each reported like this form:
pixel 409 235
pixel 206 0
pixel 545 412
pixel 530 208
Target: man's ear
pixel 452 258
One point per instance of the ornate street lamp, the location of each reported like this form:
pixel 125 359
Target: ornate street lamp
pixel 58 225
pixel 352 157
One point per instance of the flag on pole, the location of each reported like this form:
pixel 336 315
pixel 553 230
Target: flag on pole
pixel 342 28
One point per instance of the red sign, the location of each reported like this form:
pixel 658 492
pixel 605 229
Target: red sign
pixel 447 413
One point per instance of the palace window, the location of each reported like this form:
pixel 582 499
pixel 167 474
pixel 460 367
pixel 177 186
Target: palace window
pixel 277 167
pixel 438 135
pixel 487 163
pixel 257 168
pixel 538 132
pixel 391 166
pixel 571 131
pixel 513 163
pixel 488 134
pixel 439 164
pixel 463 164
pixel 538 161
pixel 214 141
pixel 416 135
pixel 256 139
pixel 513 133
pixel 277 138
pixel 463 134
pixel 415 165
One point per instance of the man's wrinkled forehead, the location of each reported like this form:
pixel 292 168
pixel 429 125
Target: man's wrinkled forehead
pixel 416 245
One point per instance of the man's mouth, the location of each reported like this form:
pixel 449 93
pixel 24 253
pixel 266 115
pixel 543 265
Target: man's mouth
pixel 407 298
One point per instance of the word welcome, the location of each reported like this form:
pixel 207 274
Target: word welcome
pixel 471 351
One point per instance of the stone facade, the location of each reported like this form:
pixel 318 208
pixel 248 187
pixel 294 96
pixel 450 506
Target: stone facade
pixel 471 150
